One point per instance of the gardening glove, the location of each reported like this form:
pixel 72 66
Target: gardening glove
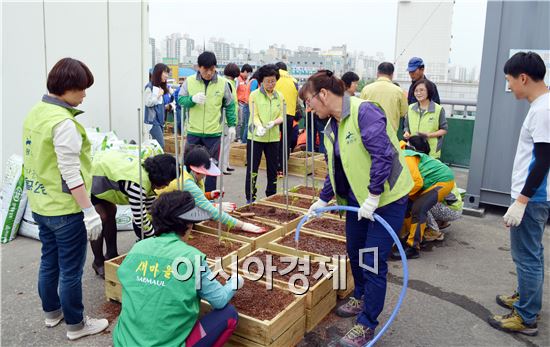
pixel 260 130
pixel 93 224
pixel 270 125
pixel 213 195
pixel 227 206
pixel 237 281
pixel 367 209
pixel 199 98
pixel 251 228
pixel 231 133
pixel 317 204
pixel 514 215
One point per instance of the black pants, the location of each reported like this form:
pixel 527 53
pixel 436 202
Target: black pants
pixel 212 144
pixel 292 139
pixel 107 212
pixel 270 150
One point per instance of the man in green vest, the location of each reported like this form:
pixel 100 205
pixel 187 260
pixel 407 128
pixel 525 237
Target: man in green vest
pixel 368 171
pixel 205 95
pixel 57 170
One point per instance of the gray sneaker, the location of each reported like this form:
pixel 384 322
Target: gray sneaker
pixel 91 326
pixel 358 336
pixel 351 308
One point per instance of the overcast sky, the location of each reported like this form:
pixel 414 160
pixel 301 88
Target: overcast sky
pixel 367 26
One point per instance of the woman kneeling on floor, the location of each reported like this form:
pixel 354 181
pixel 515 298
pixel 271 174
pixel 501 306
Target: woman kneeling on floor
pixel 159 306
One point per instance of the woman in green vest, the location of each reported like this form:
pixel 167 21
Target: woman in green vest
pixel 160 277
pixel 57 171
pixel 425 117
pixel 199 165
pixel 116 181
pixel 366 170
pixel 266 113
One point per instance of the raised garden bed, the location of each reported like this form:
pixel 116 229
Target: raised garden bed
pixel 317 288
pixel 303 190
pixel 274 214
pixel 237 154
pixel 327 225
pixel 320 247
pixel 266 317
pixel 214 248
pixel 302 202
pixel 320 169
pixel 255 240
pixel 113 289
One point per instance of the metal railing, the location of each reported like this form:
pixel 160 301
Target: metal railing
pixel 462 111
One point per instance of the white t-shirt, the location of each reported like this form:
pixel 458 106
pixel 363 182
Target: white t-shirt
pixel 535 129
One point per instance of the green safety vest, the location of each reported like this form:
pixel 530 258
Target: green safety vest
pixel 111 167
pixel 158 309
pixel 269 109
pixel 356 160
pixel 428 123
pixel 48 193
pixel 431 170
pixel 206 119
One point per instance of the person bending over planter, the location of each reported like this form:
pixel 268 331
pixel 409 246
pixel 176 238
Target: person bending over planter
pixel 366 169
pixel 198 165
pixel 160 305
pixel 433 182
pixel 116 181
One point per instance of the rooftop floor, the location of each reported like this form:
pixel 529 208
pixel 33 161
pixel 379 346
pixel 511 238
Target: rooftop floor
pixel 451 292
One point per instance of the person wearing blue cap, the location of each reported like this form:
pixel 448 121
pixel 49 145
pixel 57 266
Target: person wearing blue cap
pixel 416 71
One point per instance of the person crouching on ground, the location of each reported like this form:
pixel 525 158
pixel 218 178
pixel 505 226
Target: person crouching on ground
pixel 160 308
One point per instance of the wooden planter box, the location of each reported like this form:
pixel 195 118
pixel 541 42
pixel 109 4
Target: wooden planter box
pixel 287 226
pixel 326 216
pixel 318 312
pixel 113 289
pixel 243 250
pixel 237 154
pixel 255 241
pixel 294 201
pixel 321 170
pixel 169 143
pixel 318 188
pixel 343 266
pixel 287 328
pixel 315 293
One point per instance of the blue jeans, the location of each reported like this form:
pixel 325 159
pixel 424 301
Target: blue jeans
pixel 157 132
pixel 366 234
pixel 64 244
pixel 528 255
pixel 243 122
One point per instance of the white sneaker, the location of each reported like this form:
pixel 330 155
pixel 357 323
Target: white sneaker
pixel 52 322
pixel 91 326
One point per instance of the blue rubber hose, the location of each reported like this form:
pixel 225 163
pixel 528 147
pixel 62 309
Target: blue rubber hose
pixel 401 252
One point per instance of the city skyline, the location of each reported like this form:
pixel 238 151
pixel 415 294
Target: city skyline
pixel 467 23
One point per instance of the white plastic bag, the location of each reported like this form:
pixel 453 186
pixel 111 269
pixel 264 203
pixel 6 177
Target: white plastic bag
pixel 13 198
pixel 28 227
pixel 124 217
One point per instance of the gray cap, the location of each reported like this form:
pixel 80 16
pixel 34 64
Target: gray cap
pixel 196 215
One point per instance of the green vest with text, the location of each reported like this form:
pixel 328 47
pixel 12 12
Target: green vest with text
pixel 47 192
pixel 111 167
pixel 356 160
pixel 206 119
pixel 269 109
pixel 428 123
pixel 159 308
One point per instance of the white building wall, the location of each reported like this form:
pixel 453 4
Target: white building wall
pixel 424 30
pixel 111 38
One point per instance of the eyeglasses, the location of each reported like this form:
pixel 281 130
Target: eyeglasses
pixel 308 100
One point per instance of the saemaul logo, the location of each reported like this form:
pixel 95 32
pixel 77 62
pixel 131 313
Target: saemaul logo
pixel 350 138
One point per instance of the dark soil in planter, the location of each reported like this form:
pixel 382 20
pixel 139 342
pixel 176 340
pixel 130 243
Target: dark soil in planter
pixel 210 246
pixel 318 245
pixel 118 261
pixel 292 201
pixel 254 300
pixel 225 228
pixel 270 212
pixel 327 225
pixel 280 266
pixel 308 191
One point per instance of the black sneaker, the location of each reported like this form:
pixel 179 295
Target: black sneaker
pixel 410 253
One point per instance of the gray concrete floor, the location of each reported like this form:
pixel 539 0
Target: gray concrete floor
pixel 451 290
